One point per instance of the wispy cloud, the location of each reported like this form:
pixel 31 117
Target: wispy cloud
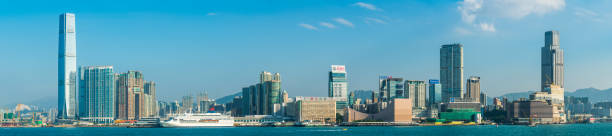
pixel 211 14
pixel 487 27
pixel 367 6
pixel 328 25
pixel 344 22
pixel 486 10
pixel 308 26
pixel 462 31
pixel 588 14
pixel 369 20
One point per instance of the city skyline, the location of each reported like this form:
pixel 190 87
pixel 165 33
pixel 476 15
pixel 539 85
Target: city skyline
pixel 304 68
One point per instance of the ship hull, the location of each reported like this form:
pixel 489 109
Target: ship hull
pixel 176 124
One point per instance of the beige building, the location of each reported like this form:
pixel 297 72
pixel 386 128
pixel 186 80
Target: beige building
pixel 473 88
pixel 553 94
pixel 416 90
pixel 150 100
pixel 315 109
pixel 129 85
pixel 398 110
pixel 556 94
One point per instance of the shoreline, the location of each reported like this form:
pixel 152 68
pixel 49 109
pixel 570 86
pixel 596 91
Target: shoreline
pixel 314 126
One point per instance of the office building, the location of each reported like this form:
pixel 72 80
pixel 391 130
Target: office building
pixel 391 88
pixel 273 89
pixel 552 61
pixel 337 82
pixel 97 94
pixel 435 92
pixel 451 71
pixel 473 88
pixel 67 69
pixel 416 91
pixel 315 109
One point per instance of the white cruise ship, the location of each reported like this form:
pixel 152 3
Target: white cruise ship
pixel 200 120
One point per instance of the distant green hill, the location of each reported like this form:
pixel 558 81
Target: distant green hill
pixel 228 98
pixel 595 95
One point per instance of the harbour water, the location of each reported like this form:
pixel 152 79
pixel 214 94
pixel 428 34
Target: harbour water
pixel 514 130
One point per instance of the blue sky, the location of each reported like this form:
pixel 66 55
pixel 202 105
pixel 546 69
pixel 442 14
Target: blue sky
pixel 221 46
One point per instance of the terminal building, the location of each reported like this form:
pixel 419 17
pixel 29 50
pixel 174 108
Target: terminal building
pixel 399 110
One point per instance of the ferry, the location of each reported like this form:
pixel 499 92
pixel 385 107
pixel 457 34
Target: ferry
pixel 200 120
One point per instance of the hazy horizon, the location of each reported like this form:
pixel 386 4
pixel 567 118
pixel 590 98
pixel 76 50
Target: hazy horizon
pixel 221 46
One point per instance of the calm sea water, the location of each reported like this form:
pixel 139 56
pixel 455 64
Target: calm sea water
pixel 542 130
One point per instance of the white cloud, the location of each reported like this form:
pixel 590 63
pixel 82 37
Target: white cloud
pixel 328 25
pixel 487 10
pixel 487 27
pixel 468 9
pixel 375 20
pixel 584 12
pixel 344 22
pixel 211 14
pixel 520 8
pixel 308 26
pixel 588 14
pixel 366 6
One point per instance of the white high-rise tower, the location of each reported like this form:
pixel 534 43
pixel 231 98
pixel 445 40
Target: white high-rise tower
pixel 67 70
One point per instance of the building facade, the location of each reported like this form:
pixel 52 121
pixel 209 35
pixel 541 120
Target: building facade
pixel 552 61
pixel 337 82
pixel 263 98
pixel 473 88
pixel 391 88
pixel 97 94
pixel 435 92
pixel 150 100
pixel 129 86
pixel 416 91
pixel 67 68
pixel 315 109
pixel 451 71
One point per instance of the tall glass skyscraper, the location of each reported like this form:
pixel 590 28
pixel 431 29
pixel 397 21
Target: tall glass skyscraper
pixel 97 94
pixel 67 70
pixel 391 88
pixel 552 61
pixel 337 82
pixel 451 71
pixel 435 92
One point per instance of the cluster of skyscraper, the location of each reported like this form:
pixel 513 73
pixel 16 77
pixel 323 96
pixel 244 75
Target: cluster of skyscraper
pixel 263 98
pixel 450 87
pixel 103 95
